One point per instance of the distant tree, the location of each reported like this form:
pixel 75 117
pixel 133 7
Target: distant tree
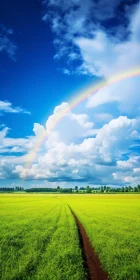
pixel 66 190
pixel 135 189
pixel 129 189
pixel 108 189
pixel 102 189
pixel 19 189
pixel 76 188
pixel 42 190
pixel 3 189
pixel 58 188
pixel 88 189
pixel 126 189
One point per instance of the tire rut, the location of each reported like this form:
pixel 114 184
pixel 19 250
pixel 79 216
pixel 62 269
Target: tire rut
pixel 31 268
pixel 91 263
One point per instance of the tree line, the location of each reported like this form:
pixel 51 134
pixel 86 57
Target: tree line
pixel 76 189
pixel 16 189
pixel 108 189
pixel 49 190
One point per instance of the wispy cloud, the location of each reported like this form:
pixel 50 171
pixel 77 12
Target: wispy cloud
pixel 78 24
pixel 105 55
pixel 6 43
pixel 7 107
pixel 83 31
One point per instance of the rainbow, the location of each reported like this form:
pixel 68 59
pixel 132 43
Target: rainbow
pixel 75 100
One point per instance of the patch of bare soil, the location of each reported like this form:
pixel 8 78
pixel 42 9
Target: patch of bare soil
pixel 91 262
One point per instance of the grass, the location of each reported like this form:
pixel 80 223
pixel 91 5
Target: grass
pixel 39 240
pixel 112 223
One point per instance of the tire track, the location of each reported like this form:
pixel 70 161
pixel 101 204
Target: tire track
pixel 92 265
pixel 31 268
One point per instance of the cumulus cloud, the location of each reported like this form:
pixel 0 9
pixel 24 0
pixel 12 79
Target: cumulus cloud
pixel 70 128
pixel 95 160
pixel 68 125
pixel 128 171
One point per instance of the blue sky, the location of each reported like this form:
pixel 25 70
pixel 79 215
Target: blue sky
pixel 49 51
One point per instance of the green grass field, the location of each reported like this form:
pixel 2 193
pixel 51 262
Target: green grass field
pixel 39 238
pixel 112 223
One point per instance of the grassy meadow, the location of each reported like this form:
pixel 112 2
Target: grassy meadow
pixel 112 223
pixel 39 237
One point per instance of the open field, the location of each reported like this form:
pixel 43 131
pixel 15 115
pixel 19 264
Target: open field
pixel 112 223
pixel 39 237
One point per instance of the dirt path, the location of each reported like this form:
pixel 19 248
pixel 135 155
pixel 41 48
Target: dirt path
pixel 91 262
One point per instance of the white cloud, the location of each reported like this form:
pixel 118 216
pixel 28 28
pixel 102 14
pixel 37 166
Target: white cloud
pixel 95 160
pixel 98 160
pixel 79 28
pixel 38 130
pixel 3 133
pixel 7 107
pixel 77 16
pixel 105 95
pixel 82 120
pixel 103 117
pixel 13 145
pixel 125 94
pixel 104 52
pixel 68 126
pixel 128 171
pixel 58 113
pixel 104 55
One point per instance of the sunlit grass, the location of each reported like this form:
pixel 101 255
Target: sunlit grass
pixel 38 239
pixel 113 224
